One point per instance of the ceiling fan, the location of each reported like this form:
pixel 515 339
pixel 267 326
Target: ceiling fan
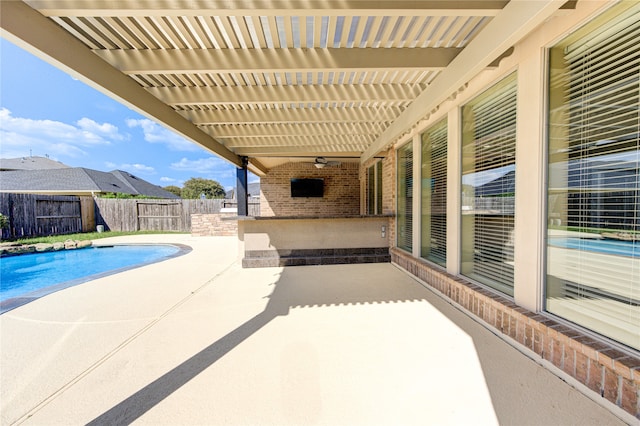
pixel 321 162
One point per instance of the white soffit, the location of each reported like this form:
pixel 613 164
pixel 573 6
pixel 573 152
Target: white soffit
pixel 279 78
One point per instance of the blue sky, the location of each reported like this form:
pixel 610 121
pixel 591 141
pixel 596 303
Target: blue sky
pixel 44 111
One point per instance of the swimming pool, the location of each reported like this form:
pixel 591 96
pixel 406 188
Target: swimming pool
pixel 30 276
pixel 606 246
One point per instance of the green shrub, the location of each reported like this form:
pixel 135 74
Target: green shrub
pixel 4 221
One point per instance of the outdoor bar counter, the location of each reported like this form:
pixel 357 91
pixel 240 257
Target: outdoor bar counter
pixel 267 241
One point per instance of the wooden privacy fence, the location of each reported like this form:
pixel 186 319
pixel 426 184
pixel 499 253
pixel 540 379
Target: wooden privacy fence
pixel 157 215
pixel 33 215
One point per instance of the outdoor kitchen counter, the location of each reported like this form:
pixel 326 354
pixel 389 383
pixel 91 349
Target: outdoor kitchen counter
pixel 320 238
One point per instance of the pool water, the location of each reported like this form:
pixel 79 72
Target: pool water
pixel 616 247
pixel 25 274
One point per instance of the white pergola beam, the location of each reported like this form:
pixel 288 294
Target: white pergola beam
pixel 302 150
pixel 308 140
pixel 108 8
pixel 260 95
pixel 258 131
pixel 37 34
pixel 257 168
pixel 293 115
pixel 195 61
pixel 515 21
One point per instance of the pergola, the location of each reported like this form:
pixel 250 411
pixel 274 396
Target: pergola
pixel 270 81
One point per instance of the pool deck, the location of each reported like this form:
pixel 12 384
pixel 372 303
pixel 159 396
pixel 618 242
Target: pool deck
pixel 198 340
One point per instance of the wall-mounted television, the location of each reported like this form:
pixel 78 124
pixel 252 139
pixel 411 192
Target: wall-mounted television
pixel 307 187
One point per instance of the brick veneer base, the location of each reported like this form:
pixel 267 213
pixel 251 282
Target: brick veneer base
pixel 304 257
pixel 213 225
pixel 612 374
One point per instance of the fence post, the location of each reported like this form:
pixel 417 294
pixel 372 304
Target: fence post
pixel 12 231
pixel 137 216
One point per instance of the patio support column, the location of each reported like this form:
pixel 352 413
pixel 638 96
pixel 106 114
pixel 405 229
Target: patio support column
pixel 454 191
pixel 417 196
pixel 241 188
pixel 530 229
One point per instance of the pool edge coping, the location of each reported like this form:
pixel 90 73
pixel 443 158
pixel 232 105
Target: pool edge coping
pixel 15 302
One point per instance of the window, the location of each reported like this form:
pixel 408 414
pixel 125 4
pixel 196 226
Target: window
pixel 488 185
pixel 404 215
pixel 593 234
pixel 374 189
pixel 434 194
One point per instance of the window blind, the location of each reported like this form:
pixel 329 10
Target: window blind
pixel 593 250
pixel 404 210
pixel 434 194
pixel 488 181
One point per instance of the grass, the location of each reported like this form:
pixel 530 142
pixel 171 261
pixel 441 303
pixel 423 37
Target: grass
pixel 87 236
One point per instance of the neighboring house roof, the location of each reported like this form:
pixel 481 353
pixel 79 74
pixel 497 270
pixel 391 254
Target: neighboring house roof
pixel 253 189
pixel 76 181
pixel 30 163
pixel 619 175
pixel 505 184
pixel 141 186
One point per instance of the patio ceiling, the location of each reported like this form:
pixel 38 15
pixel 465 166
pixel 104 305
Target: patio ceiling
pixel 279 80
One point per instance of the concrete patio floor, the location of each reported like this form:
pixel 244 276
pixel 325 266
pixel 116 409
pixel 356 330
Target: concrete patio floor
pixel 199 340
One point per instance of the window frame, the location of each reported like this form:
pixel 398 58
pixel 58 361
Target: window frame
pixel 500 88
pixel 442 125
pixel 607 21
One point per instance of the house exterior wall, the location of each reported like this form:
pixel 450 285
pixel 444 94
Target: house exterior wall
pixel 388 164
pixel 586 363
pixel 594 364
pixel 341 191
pixel 389 183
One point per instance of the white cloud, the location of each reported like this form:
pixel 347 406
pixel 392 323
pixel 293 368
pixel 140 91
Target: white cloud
pixel 154 133
pixel 132 168
pixel 202 165
pixel 107 130
pixel 209 168
pixel 166 181
pixel 169 180
pixel 23 136
pixel 140 168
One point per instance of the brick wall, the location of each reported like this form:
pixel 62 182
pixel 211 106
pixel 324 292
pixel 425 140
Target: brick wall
pixel 610 373
pixel 213 225
pixel 341 191
pixel 389 192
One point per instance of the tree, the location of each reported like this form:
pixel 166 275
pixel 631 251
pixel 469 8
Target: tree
pixel 174 190
pixel 194 187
